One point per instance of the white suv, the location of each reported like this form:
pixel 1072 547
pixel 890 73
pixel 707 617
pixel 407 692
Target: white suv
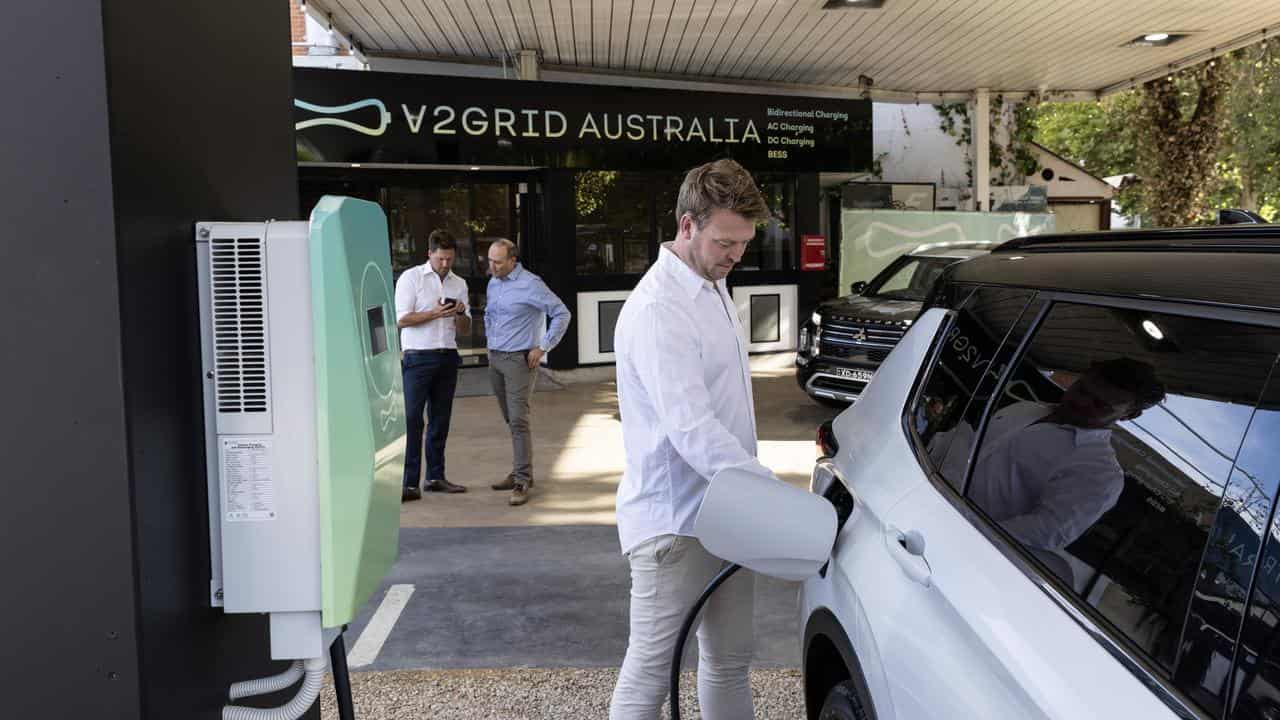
pixel 1057 498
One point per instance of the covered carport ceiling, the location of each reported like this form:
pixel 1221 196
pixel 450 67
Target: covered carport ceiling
pixel 905 47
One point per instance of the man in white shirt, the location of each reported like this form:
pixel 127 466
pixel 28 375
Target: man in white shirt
pixel 684 392
pixel 431 308
pixel 1047 473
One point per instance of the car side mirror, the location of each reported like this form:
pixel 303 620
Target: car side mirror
pixel 751 518
pixel 858 287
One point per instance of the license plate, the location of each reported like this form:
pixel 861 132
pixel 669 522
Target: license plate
pixel 854 374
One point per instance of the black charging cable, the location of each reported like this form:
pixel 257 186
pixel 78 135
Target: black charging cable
pixel 684 635
pixel 341 677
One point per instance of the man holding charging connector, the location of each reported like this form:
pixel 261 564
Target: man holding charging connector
pixel 431 309
pixel 684 392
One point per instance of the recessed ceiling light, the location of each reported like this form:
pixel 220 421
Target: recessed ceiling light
pixel 473 167
pixel 1156 39
pixel 852 4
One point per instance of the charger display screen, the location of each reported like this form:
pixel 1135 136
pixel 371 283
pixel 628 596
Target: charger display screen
pixel 377 331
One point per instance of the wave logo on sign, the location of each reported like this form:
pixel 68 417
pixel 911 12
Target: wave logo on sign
pixel 384 116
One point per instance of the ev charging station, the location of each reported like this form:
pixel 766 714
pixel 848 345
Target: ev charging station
pixel 304 428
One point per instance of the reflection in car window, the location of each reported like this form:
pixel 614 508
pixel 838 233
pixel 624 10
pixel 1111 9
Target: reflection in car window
pixel 1107 456
pixel 972 356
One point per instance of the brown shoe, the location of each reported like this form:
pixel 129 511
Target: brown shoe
pixel 520 495
pixel 509 483
pixel 443 486
pixel 408 494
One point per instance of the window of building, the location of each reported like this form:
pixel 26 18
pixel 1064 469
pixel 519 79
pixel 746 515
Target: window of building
pixel 614 222
pixel 1108 456
pixel 492 218
pixel 623 217
pixel 413 212
pixel 476 214
pixel 774 246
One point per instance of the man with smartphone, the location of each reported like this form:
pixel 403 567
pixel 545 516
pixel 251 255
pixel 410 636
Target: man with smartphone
pixel 431 309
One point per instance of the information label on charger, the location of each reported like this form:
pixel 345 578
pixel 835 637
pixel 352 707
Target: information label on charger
pixel 248 489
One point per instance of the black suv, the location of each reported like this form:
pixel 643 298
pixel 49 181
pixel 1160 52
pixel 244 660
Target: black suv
pixel 846 339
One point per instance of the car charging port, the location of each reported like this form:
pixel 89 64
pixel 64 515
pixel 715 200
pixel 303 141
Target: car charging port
pixel 826 440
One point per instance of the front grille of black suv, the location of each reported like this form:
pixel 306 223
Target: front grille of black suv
pixel 842 338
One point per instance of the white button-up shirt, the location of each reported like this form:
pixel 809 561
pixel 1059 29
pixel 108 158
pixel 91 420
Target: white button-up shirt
pixel 684 392
pixel 1045 483
pixel 420 289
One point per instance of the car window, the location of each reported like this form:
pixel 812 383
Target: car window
pixel 975 349
pixel 911 281
pixel 1237 537
pixel 1107 456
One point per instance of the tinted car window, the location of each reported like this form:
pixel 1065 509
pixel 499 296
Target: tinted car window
pixel 975 349
pixel 909 279
pixel 1250 508
pixel 1107 457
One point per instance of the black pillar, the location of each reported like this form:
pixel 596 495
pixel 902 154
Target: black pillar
pixel 808 222
pixel 126 122
pixel 558 266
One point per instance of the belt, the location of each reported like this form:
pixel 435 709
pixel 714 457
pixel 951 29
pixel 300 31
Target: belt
pixel 435 350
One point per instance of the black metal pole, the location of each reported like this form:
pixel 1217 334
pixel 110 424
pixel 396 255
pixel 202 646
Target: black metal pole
pixel 341 677
pixel 684 635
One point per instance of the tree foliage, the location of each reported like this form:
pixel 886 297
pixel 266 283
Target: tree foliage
pixel 1204 138
pixel 1249 160
pixel 1180 124
pixel 1100 136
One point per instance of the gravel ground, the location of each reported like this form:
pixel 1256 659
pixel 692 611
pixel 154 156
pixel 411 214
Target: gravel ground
pixel 530 694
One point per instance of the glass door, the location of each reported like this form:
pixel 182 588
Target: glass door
pixel 476 213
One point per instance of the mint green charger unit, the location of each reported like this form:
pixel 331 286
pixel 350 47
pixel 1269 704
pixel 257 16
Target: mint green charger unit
pixel 359 402
pixel 305 418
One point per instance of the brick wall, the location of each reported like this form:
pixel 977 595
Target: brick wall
pixel 298 25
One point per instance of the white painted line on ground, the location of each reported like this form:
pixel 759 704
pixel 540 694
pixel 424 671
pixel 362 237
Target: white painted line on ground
pixel 376 632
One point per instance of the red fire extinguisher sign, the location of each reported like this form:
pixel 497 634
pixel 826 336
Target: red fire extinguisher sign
pixel 813 252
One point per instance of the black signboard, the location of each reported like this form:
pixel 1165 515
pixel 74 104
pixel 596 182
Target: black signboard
pixel 367 117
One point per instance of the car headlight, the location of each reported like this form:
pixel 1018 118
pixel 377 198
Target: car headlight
pixel 815 318
pixel 804 339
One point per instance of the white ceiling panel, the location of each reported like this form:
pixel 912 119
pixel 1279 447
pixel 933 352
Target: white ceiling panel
pixel 921 46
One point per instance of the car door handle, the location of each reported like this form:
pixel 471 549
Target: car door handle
pixel 907 548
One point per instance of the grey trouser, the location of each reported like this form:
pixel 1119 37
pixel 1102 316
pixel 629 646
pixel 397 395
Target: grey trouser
pixel 667 575
pixel 513 385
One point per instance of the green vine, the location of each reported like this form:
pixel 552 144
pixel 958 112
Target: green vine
pixel 954 120
pixel 1012 159
pixel 877 166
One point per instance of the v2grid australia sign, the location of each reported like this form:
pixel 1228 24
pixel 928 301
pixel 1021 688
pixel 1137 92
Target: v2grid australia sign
pixel 367 117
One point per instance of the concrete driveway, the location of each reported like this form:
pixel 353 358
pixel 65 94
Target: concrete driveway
pixel 483 585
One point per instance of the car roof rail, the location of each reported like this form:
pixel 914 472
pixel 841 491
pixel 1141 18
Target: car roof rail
pixel 1239 216
pixel 1247 237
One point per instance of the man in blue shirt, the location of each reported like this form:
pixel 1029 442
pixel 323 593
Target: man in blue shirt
pixel 517 306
